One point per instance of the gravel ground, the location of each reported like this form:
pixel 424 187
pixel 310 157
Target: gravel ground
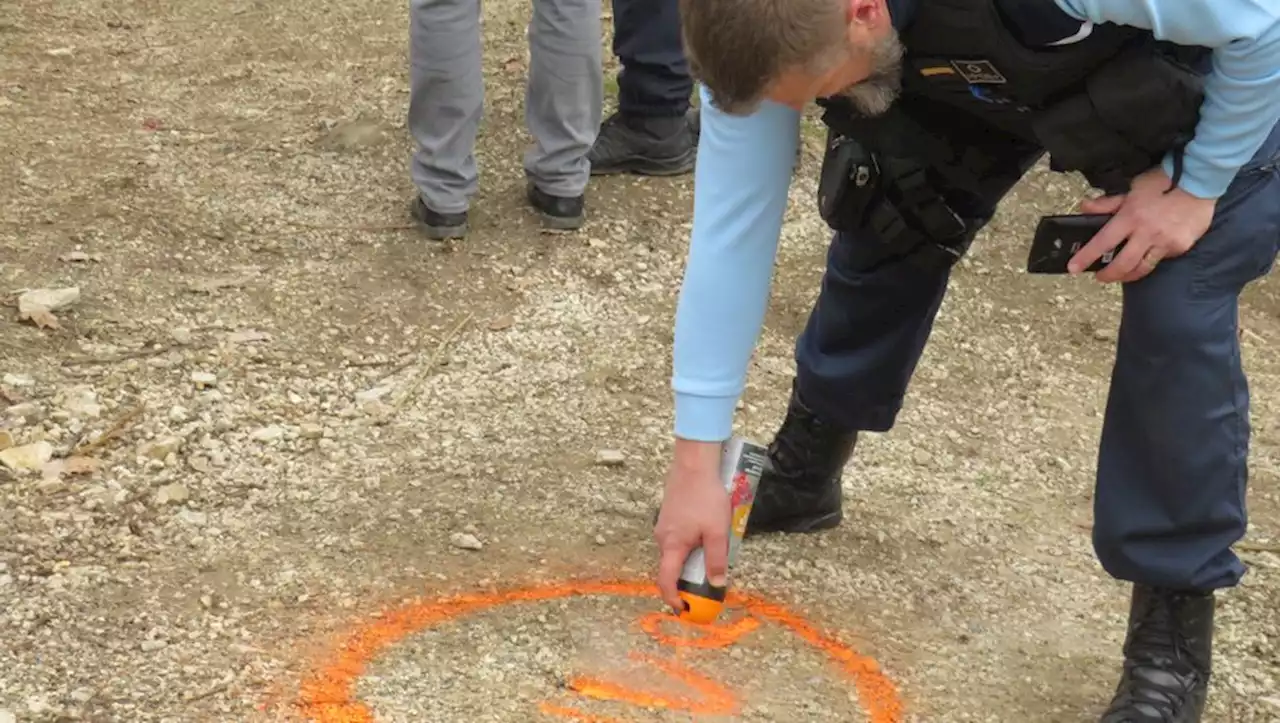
pixel 273 410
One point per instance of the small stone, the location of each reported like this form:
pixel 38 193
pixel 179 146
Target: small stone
pixel 172 494
pixel 150 646
pixel 193 518
pixel 160 448
pixel 270 433
pixel 17 380
pixel 203 380
pixel 374 394
pixel 28 458
pixel 181 335
pixel 178 414
pixel 27 412
pixel 600 540
pixel 198 463
pixel 610 458
pixel 465 541
pixel 82 695
pixel 310 430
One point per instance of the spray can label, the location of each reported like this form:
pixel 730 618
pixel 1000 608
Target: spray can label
pixel 742 463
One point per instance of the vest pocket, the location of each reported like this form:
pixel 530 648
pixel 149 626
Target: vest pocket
pixel 1133 111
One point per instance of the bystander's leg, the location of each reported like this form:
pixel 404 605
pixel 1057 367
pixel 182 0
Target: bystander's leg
pixel 446 99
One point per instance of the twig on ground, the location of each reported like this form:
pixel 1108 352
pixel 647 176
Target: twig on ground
pixel 127 355
pixel 115 430
pixel 430 366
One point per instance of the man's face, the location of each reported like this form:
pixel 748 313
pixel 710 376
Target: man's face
pixel 869 75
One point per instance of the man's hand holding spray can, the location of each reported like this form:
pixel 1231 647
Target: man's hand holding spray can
pixel 741 464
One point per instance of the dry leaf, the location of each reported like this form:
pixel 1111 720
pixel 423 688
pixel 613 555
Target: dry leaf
pixel 81 465
pixel 37 306
pixel 41 317
pixel 502 322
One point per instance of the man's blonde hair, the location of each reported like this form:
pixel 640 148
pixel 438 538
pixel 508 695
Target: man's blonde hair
pixel 736 48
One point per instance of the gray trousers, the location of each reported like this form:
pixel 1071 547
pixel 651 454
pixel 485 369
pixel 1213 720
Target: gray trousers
pixel 564 96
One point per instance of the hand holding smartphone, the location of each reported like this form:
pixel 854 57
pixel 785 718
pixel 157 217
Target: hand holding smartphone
pixel 1058 238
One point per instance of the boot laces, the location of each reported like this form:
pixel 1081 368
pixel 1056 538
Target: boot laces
pixel 1159 649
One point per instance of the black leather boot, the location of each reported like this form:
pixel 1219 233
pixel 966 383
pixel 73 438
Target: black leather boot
pixel 1168 656
pixel 800 489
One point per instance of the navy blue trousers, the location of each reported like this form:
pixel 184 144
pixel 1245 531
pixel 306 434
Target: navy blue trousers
pixel 654 80
pixel 1171 469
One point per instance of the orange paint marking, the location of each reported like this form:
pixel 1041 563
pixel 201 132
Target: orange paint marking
pixel 707 636
pixel 327 694
pixel 714 699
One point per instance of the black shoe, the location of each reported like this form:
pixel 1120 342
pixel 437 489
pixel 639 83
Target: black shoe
pixel 1168 658
pixel 559 213
pixel 438 226
pixel 657 146
pixel 800 489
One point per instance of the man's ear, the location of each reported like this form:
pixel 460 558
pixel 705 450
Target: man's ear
pixel 869 15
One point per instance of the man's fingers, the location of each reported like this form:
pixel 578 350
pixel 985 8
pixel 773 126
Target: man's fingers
pixel 669 566
pixel 1129 258
pixel 715 545
pixel 1145 266
pixel 1103 204
pixel 1107 238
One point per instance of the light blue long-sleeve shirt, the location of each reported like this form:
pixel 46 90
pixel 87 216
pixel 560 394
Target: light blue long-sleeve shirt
pixel 744 169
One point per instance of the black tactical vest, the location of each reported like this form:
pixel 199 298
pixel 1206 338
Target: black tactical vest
pixel 1109 106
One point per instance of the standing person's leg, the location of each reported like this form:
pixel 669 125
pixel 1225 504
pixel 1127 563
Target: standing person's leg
pixel 652 131
pixel 446 100
pixel 563 105
pixel 1172 463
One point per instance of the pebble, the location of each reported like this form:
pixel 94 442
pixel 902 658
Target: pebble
pixel 172 494
pixel 17 380
pixel 610 458
pixel 465 541
pixel 311 430
pixel 267 434
pixel 160 448
pixel 27 458
pixel 203 379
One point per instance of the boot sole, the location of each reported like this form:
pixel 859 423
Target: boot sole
pixel 642 166
pixel 560 223
pixel 799 525
pixel 443 233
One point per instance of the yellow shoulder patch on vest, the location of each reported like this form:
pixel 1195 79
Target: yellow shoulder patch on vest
pixel 938 70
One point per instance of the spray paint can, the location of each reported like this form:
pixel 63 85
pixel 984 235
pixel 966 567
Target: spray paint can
pixel 741 464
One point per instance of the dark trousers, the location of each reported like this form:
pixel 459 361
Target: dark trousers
pixel 1171 470
pixel 654 80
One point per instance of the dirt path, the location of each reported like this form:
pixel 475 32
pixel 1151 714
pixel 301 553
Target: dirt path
pixel 298 412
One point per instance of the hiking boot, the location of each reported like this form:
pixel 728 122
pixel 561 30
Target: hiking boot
pixel 559 213
pixel 799 489
pixel 1167 658
pixel 438 226
pixel 649 146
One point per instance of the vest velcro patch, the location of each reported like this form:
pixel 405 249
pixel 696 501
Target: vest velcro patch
pixel 978 71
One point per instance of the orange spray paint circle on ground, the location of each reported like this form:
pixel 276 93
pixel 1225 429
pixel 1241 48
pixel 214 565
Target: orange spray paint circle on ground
pixel 327 695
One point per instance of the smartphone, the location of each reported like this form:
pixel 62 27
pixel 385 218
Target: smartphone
pixel 1058 238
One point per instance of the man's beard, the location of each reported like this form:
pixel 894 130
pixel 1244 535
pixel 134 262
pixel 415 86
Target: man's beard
pixel 874 96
